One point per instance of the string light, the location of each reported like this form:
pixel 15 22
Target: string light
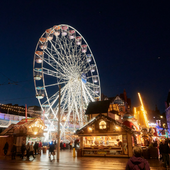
pixel 135 114
pixel 143 110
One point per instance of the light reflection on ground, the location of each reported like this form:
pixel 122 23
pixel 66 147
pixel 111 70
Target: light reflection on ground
pixel 67 162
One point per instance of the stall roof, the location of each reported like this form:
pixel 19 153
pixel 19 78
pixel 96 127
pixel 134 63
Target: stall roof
pixel 92 121
pixel 7 129
pixel 98 107
pixel 22 123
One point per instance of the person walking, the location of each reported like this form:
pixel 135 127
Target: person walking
pixel 23 148
pixel 32 150
pixel 73 144
pixel 39 147
pixel 64 146
pixel 51 149
pixel 28 150
pixel 13 151
pixel 136 162
pixel 160 151
pixel 165 153
pixel 55 143
pixel 6 146
pixel 35 148
pixel 70 145
pixel 61 146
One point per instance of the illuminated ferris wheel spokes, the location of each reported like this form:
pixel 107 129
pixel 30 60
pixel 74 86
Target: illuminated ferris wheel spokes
pixel 63 57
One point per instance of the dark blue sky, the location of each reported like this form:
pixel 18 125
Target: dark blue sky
pixel 130 41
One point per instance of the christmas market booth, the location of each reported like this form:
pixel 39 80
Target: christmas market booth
pixel 27 130
pixel 104 136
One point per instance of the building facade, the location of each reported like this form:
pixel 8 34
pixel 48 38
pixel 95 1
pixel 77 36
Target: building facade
pixel 122 101
pixel 167 110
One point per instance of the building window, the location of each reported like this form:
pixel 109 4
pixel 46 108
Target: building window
pixel 158 122
pixel 90 129
pixel 102 125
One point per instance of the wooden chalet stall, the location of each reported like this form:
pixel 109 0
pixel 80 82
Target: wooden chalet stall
pixel 24 131
pixel 105 136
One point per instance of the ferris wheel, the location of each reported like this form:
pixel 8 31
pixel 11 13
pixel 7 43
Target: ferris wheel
pixel 63 58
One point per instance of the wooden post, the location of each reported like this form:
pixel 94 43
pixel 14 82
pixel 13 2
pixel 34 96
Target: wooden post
pixel 58 143
pixel 129 143
pixel 81 142
pixel 81 119
pixel 26 112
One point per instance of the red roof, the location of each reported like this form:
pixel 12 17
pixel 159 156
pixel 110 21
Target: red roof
pixel 129 124
pixel 23 121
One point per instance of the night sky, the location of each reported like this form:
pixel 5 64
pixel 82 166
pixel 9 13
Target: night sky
pixel 130 41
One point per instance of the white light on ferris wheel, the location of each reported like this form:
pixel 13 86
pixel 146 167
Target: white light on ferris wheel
pixel 62 60
pixel 88 58
pixel 38 60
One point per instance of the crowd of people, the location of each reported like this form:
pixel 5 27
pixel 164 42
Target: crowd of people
pixel 135 162
pixel 31 149
pixel 164 149
pixel 138 162
pixel 34 148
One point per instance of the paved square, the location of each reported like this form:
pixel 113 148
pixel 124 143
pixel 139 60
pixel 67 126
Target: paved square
pixel 67 162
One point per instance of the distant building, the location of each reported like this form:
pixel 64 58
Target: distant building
pixel 155 117
pixel 123 102
pixel 167 110
pixel 12 114
pixel 102 107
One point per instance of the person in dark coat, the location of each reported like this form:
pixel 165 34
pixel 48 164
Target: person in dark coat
pixel 35 147
pixel 136 162
pixel 13 151
pixel 70 145
pixel 31 150
pixel 6 148
pixel 51 149
pixel 160 151
pixel 165 153
pixel 28 150
pixel 155 144
pixel 55 144
pixel 61 146
pixel 23 148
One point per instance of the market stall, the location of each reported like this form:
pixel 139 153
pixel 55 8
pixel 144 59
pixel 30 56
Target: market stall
pixel 27 130
pixel 104 136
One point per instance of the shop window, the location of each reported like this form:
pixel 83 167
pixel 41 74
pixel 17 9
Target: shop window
pixel 102 125
pixel 109 145
pixel 90 129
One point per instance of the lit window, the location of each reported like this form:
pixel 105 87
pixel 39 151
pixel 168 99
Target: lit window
pixel 102 125
pixel 90 129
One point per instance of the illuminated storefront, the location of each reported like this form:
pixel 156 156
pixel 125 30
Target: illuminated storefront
pixel 104 136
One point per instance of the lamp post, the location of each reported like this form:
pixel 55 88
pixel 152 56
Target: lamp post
pixel 58 143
